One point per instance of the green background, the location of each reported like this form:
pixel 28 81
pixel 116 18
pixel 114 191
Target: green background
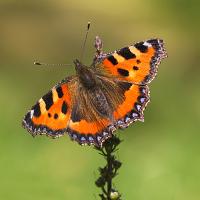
pixel 161 157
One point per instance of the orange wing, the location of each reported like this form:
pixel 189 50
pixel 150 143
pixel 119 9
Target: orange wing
pixel 137 63
pixel 50 115
pixel 131 109
pixel 90 132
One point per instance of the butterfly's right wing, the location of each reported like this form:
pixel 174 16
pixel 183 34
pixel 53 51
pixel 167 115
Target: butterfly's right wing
pixel 137 63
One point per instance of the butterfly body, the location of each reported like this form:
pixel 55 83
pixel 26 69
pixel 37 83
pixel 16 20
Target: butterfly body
pixel 110 94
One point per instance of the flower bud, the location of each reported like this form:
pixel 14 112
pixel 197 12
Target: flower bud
pixel 114 195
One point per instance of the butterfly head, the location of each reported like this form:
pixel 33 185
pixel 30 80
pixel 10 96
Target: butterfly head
pixel 86 76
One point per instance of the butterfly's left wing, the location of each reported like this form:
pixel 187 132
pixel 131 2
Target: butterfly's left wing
pixel 51 114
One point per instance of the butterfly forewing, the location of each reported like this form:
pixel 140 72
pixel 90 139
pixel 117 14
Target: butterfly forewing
pixel 137 63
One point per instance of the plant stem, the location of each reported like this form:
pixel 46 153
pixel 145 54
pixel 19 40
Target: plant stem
pixel 109 164
pixel 108 172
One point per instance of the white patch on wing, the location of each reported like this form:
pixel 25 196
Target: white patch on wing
pixel 31 113
pixel 147 44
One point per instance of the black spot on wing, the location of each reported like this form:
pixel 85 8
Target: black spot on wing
pixel 123 72
pixel 135 68
pixel 36 109
pixel 126 53
pixel 48 99
pixel 55 116
pixel 59 91
pixel 125 85
pixel 141 47
pixel 138 61
pixel 64 108
pixel 112 60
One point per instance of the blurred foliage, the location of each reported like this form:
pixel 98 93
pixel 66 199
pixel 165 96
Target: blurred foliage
pixel 161 157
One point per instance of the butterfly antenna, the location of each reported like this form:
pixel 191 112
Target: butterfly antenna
pixel 50 64
pixel 84 43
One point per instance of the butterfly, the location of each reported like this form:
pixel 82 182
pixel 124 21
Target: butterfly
pixel 108 95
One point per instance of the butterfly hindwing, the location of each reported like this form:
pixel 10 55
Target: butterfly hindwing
pixel 131 109
pixel 137 63
pixel 126 99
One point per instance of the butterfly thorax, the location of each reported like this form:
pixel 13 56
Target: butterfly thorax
pixel 86 76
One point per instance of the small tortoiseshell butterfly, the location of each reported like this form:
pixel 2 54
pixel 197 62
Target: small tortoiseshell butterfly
pixel 110 94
